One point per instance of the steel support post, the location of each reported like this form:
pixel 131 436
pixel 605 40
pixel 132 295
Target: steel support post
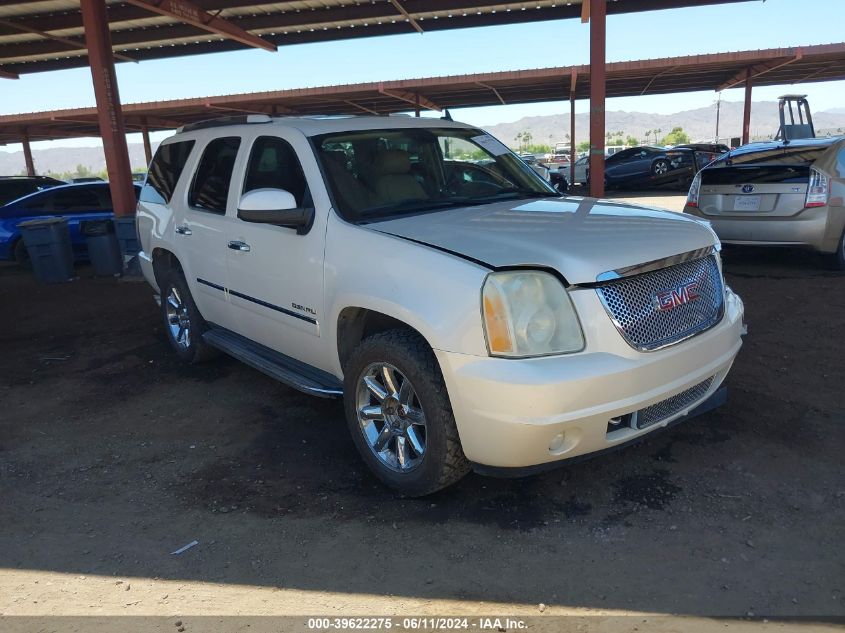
pixel 110 116
pixel 27 156
pixel 148 150
pixel 746 112
pixel 598 91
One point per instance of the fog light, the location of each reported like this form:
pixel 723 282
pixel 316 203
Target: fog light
pixel 557 443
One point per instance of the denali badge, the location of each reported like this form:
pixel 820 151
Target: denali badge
pixel 670 299
pixel 747 188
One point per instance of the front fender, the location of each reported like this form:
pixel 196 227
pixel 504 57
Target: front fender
pixel 436 293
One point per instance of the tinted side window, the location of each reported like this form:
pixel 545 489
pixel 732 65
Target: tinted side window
pixel 165 170
pixel 77 199
pixel 273 164
pixel 210 189
pixel 106 194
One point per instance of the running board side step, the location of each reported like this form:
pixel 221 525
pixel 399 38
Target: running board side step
pixel 283 368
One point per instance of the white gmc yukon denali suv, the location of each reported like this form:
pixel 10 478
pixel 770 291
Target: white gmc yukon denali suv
pixel 468 315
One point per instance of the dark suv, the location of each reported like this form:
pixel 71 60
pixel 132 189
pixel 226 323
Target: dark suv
pixel 14 187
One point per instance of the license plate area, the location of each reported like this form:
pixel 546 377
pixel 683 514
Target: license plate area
pixel 746 203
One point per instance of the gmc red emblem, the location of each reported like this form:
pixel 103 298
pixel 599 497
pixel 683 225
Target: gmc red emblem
pixel 670 299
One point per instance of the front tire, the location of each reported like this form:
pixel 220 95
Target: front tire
pixel 836 261
pixel 399 414
pixel 183 323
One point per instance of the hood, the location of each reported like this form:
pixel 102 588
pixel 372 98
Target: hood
pixel 579 237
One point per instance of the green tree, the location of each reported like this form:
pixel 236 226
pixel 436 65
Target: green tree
pixel 583 146
pixel 631 141
pixel 526 138
pixel 81 171
pixel 676 137
pixel 536 148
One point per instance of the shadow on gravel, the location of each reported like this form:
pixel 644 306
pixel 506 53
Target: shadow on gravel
pixel 113 455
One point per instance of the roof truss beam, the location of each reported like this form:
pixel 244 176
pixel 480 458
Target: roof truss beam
pixel 407 15
pixel 493 90
pixel 757 70
pixel 5 74
pixel 72 43
pixel 190 13
pixel 414 99
pixel 362 108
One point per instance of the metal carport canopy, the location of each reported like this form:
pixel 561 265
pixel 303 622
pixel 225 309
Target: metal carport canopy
pixel 43 35
pixel 775 66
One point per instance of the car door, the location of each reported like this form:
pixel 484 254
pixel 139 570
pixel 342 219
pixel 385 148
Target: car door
pixel 202 227
pixel 275 273
pixel 617 167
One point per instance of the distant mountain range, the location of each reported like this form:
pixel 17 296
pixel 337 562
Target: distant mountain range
pixel 59 160
pixel 700 124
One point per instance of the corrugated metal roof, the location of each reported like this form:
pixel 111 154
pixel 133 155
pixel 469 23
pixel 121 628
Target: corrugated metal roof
pixel 141 34
pixel 649 76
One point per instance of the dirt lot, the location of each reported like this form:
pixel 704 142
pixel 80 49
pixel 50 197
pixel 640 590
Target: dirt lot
pixel 113 455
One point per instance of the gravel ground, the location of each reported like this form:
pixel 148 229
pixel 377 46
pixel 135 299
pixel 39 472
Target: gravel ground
pixel 113 455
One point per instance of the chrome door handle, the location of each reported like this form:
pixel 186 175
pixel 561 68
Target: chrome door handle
pixel 237 245
pixel 183 230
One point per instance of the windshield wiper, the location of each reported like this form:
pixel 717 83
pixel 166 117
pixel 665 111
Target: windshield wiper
pixel 513 193
pixel 411 206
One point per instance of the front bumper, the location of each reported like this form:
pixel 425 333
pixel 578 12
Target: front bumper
pixel 523 413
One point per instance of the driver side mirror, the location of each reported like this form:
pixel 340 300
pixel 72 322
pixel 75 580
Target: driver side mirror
pixel 277 207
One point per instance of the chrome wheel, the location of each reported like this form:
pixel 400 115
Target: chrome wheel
pixel 660 168
pixel 390 417
pixel 178 320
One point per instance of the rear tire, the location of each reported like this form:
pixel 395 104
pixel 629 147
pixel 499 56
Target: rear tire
pixel 21 255
pixel 387 417
pixel 660 168
pixel 836 261
pixel 183 323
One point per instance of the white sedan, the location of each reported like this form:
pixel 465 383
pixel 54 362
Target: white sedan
pixel 581 167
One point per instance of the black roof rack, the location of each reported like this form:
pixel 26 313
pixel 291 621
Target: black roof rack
pixel 226 120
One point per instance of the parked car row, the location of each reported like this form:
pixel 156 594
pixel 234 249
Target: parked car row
pixel 651 166
pixel 642 166
pixel 76 202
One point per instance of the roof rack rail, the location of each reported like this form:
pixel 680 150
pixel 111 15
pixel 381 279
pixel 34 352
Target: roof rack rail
pixel 225 120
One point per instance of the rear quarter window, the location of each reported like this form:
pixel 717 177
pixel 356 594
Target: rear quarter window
pixel 165 170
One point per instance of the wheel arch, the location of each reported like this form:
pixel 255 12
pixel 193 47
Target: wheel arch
pixel 355 323
pixel 163 261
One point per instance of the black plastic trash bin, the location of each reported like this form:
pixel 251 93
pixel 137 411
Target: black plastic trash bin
pixel 47 241
pixel 127 236
pixel 103 249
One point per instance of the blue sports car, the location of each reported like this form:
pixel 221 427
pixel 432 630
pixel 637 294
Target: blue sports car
pixel 89 201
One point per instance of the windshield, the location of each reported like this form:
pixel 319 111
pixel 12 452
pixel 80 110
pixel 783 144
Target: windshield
pixel 382 174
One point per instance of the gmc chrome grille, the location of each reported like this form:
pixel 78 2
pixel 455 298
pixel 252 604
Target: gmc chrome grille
pixel 667 408
pixel 665 306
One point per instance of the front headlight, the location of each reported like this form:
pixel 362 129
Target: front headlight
pixel 529 313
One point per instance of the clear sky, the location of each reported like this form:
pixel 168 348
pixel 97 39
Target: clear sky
pixel 743 26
